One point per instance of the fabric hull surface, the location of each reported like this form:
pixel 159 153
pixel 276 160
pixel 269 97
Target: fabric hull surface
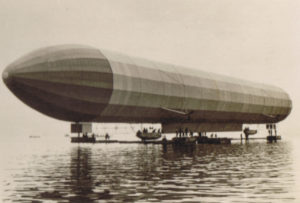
pixel 84 84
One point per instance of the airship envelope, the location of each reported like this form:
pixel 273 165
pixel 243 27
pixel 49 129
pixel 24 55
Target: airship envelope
pixel 84 84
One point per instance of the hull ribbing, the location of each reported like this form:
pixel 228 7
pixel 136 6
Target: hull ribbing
pixel 83 84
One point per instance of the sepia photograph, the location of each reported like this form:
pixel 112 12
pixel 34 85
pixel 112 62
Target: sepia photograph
pixel 150 101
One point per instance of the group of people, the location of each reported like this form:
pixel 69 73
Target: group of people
pixel 212 135
pixel 85 135
pixel 203 134
pixel 145 130
pixel 184 133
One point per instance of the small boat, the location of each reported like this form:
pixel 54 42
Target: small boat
pixel 247 131
pixel 148 135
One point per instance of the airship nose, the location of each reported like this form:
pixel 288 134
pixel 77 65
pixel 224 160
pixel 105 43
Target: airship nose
pixel 67 82
pixel 5 76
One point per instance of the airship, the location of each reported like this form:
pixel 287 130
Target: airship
pixel 84 84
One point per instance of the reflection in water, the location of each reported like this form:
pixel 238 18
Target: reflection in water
pixel 251 172
pixel 80 180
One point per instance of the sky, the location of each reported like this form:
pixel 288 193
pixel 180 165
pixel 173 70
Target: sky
pixel 257 40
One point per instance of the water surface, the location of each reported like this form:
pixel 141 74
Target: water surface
pixel 39 170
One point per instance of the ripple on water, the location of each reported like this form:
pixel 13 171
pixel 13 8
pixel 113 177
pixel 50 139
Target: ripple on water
pixel 253 172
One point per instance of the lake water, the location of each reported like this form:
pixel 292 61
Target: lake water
pixel 39 170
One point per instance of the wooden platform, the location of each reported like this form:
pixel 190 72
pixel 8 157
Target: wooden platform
pixel 257 138
pixel 174 141
pixel 83 140
pixel 107 141
pixel 207 140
